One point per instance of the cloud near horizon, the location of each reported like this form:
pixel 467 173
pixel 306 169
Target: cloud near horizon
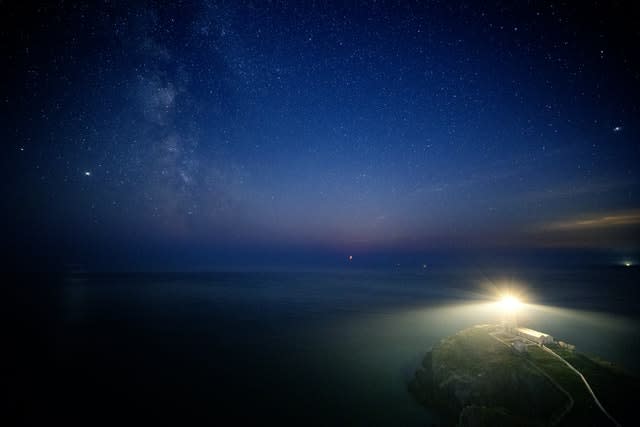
pixel 618 219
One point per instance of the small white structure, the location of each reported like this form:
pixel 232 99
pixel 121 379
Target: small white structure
pixel 530 334
pixel 566 345
pixel 519 346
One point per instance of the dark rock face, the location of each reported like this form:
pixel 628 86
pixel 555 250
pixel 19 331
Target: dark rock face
pixel 480 416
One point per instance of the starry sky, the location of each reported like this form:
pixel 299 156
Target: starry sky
pixel 195 134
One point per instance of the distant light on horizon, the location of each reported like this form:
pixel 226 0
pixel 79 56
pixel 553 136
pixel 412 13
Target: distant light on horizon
pixel 627 263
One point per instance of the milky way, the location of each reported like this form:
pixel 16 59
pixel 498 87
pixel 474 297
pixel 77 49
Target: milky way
pixel 196 130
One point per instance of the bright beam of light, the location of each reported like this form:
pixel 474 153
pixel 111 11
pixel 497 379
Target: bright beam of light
pixel 509 303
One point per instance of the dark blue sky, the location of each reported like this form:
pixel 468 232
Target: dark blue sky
pixel 195 133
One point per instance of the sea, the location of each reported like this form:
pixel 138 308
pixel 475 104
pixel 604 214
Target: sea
pixel 307 348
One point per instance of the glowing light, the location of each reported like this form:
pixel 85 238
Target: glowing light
pixel 350 257
pixel 627 264
pixel 87 173
pixel 509 303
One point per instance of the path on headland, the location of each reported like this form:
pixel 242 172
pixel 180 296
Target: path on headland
pixel 570 402
pixel 584 380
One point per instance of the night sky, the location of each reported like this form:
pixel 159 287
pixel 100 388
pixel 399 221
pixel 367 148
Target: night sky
pixel 202 134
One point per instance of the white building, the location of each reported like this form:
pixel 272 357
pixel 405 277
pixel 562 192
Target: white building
pixel 530 334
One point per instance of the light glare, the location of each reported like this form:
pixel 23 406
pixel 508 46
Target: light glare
pixel 509 303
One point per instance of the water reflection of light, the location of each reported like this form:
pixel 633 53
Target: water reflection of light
pixel 592 318
pixel 406 332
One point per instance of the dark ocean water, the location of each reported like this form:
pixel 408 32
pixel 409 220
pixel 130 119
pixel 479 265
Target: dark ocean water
pixel 295 348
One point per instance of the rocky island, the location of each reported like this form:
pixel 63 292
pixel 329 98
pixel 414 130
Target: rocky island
pixel 482 376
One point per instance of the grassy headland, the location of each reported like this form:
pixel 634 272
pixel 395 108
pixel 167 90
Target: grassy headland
pixel 472 378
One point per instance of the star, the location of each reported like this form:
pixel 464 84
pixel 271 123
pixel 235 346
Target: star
pixel 87 173
pixel 617 129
